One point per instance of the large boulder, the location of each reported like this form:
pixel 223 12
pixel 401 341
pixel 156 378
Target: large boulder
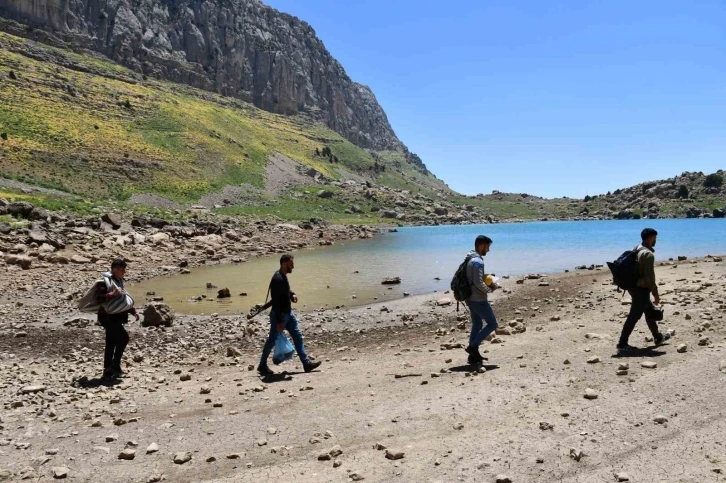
pixel 325 194
pixel 156 314
pixel 20 209
pixel 389 214
pixel 112 219
pixel 441 211
pixel 22 261
pixel 719 213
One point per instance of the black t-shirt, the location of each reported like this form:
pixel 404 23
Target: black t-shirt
pixel 280 293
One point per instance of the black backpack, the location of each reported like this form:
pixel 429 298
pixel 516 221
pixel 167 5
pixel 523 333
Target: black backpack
pixel 460 284
pixel 625 270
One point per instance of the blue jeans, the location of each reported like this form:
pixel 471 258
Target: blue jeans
pixel 291 325
pixel 481 312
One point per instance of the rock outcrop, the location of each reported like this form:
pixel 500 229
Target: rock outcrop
pixel 238 48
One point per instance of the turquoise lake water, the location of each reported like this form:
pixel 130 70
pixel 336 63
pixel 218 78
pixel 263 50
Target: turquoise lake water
pixel 326 276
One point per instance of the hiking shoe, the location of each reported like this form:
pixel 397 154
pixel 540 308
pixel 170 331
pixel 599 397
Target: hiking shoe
pixel 474 354
pixel 265 371
pixel 626 349
pixel 474 361
pixel 118 372
pixel 311 366
pixel 108 374
pixel 662 339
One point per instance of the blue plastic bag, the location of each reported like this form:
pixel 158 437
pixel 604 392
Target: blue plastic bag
pixel 283 350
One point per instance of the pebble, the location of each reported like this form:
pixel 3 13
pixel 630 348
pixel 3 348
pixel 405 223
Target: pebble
pixel 649 364
pixel 660 419
pixel 682 348
pixel 356 476
pixel 153 448
pixel 593 360
pixel 704 341
pixel 459 426
pixel 622 477
pixel 623 366
pixel 590 394
pixel 503 479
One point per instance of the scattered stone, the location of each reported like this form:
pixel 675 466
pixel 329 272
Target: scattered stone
pixel 622 477
pixel 593 360
pixel 649 364
pixel 590 394
pixel 127 454
pixel 152 448
pixel 181 458
pixel 660 419
pixel 32 389
pixel 682 348
pixel 503 479
pixel 224 294
pixel 544 426
pixel 459 426
pixel 233 352
pixel 60 472
pixel 379 446
pixel 704 341
pixel 394 455
pixel 158 314
pixel 391 281
pixel 623 366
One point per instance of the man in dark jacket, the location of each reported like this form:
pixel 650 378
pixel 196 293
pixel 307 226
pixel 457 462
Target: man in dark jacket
pixel 640 296
pixel 116 336
pixel 283 318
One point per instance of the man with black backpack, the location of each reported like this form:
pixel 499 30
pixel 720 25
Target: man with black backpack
pixel 283 318
pixel 645 284
pixel 469 286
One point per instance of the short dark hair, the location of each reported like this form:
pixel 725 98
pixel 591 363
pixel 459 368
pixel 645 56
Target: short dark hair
pixel 286 258
pixel 647 233
pixel 482 240
pixel 119 262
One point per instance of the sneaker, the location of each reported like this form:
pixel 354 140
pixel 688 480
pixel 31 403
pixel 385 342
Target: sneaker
pixel 265 371
pixel 662 339
pixel 474 354
pixel 474 361
pixel 108 374
pixel 625 349
pixel 311 366
pixel 118 372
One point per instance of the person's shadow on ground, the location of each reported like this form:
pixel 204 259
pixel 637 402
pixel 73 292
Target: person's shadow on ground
pixel 641 352
pixel 86 383
pixel 474 367
pixel 279 377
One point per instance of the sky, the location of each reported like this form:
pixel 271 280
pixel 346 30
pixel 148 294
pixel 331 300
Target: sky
pixel 555 98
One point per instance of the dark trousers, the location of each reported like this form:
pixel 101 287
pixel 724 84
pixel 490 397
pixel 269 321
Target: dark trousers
pixel 641 304
pixel 116 340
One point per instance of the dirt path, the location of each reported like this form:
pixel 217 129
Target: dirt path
pixel 521 418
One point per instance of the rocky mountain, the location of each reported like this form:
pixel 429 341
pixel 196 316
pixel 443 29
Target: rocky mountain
pixel 237 48
pixel 689 195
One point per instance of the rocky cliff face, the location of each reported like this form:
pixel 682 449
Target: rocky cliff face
pixel 239 48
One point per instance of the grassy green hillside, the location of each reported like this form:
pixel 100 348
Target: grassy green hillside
pixel 84 125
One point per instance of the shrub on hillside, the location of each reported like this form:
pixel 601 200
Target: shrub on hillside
pixel 683 191
pixel 714 180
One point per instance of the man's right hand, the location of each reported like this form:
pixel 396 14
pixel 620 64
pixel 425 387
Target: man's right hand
pixel 656 300
pixel 280 327
pixel 115 293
